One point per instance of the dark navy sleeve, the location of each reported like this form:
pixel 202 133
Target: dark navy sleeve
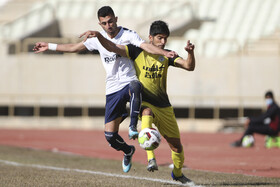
pixel 133 51
pixel 171 61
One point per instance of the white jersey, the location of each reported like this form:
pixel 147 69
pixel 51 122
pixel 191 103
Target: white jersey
pixel 120 70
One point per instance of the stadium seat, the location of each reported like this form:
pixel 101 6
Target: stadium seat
pixel 239 20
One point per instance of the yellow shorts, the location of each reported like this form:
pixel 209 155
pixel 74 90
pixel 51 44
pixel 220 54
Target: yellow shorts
pixel 164 120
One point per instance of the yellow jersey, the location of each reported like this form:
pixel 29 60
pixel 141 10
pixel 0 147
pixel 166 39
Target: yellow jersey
pixel 151 71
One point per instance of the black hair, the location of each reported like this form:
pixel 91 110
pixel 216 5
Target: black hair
pixel 105 11
pixel 159 27
pixel 269 94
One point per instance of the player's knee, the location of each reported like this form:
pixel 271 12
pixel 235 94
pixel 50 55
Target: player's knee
pixel 114 140
pixel 175 144
pixel 178 149
pixel 135 86
pixel 147 112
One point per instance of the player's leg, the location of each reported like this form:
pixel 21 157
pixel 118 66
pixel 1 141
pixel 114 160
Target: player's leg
pixel 177 154
pixel 135 89
pixel 252 128
pixel 260 129
pixel 178 159
pixel 113 137
pixel 115 113
pixel 147 120
pixel 117 142
pixel 164 119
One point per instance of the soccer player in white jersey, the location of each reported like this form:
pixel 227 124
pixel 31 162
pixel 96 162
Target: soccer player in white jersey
pixel 122 84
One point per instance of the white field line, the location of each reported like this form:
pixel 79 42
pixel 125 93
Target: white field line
pixel 94 173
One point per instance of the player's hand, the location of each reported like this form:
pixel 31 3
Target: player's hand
pixel 89 34
pixel 190 47
pixel 170 54
pixel 40 47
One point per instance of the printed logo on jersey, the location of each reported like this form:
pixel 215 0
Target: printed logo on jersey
pixel 153 72
pixel 110 59
pixel 161 58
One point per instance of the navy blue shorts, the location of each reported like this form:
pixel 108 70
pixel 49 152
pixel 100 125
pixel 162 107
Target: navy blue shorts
pixel 116 104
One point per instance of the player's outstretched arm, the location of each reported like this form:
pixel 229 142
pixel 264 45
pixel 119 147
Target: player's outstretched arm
pixel 150 48
pixel 68 48
pixel 107 44
pixel 145 46
pixel 189 63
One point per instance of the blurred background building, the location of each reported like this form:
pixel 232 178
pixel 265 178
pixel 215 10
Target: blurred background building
pixel 237 50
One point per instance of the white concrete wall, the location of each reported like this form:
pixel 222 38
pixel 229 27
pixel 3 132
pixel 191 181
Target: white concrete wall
pixel 226 81
pixel 67 79
pixel 80 80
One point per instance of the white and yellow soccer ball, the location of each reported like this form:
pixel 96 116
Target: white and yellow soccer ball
pixel 149 138
pixel 248 141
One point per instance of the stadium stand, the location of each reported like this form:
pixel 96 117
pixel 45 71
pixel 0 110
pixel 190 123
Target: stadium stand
pixel 231 37
pixel 227 26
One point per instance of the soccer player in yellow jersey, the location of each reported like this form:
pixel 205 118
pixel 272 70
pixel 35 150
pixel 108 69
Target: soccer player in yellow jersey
pixel 151 71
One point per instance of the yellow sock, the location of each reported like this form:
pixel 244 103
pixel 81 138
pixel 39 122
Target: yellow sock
pixel 147 123
pixel 178 162
pixel 150 155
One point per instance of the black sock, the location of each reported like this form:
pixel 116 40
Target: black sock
pixel 116 141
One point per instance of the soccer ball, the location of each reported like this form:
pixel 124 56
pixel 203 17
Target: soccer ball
pixel 149 138
pixel 248 141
